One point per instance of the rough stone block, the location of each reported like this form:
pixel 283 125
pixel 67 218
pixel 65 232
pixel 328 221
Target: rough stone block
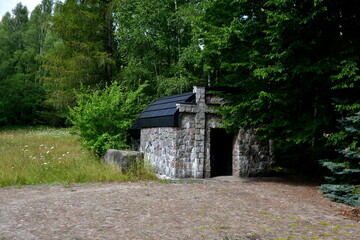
pixel 122 158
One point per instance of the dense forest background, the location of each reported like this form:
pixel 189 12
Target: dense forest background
pixel 294 65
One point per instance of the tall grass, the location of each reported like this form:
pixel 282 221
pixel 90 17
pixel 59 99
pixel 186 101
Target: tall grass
pixel 47 155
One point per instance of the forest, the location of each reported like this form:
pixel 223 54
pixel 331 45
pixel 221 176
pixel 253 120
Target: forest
pixel 94 65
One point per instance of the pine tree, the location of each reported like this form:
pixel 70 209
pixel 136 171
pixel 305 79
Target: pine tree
pixel 344 182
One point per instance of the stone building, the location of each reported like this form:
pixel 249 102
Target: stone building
pixel 181 136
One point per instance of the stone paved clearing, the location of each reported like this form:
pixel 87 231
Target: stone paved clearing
pixel 245 209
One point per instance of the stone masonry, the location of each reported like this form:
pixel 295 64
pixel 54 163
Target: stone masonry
pixel 184 151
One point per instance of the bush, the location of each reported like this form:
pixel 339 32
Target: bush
pixel 103 117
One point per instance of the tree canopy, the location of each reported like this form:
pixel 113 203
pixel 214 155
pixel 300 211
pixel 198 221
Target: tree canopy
pixel 294 64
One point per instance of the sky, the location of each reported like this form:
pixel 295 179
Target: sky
pixel 8 5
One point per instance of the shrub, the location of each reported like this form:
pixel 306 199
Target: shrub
pixel 102 118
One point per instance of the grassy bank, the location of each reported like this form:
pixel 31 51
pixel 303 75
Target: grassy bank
pixel 47 156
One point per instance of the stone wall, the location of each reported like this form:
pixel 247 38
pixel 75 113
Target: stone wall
pixel 159 147
pixel 184 151
pixel 251 157
pixel 171 149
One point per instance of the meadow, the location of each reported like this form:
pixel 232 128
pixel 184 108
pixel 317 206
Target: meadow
pixel 54 156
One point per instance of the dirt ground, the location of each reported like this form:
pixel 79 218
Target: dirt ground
pixel 215 209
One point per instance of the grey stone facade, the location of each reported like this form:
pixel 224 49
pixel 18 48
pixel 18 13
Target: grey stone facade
pixel 185 151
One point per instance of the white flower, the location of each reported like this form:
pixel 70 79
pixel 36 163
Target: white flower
pixel 47 151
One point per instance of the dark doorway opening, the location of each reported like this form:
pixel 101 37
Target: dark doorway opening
pixel 220 152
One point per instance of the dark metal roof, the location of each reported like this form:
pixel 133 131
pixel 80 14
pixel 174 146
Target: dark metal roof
pixel 163 112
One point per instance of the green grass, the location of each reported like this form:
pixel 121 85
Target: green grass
pixel 47 156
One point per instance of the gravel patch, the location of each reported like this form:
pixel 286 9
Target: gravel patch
pixel 216 209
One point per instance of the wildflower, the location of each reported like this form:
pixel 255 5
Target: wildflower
pixel 26 146
pixel 47 151
pixel 67 153
pixel 52 147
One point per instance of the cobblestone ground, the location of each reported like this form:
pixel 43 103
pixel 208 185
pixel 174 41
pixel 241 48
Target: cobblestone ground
pixel 245 209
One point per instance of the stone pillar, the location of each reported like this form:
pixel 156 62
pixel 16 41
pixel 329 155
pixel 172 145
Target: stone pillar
pixel 200 94
pixel 200 126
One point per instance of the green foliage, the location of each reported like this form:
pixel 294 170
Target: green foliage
pixel 295 65
pixel 344 171
pixel 153 36
pixel 103 117
pixel 288 78
pixel 47 156
pixel 347 194
pixel 27 96
pixel 78 51
pixel 21 93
